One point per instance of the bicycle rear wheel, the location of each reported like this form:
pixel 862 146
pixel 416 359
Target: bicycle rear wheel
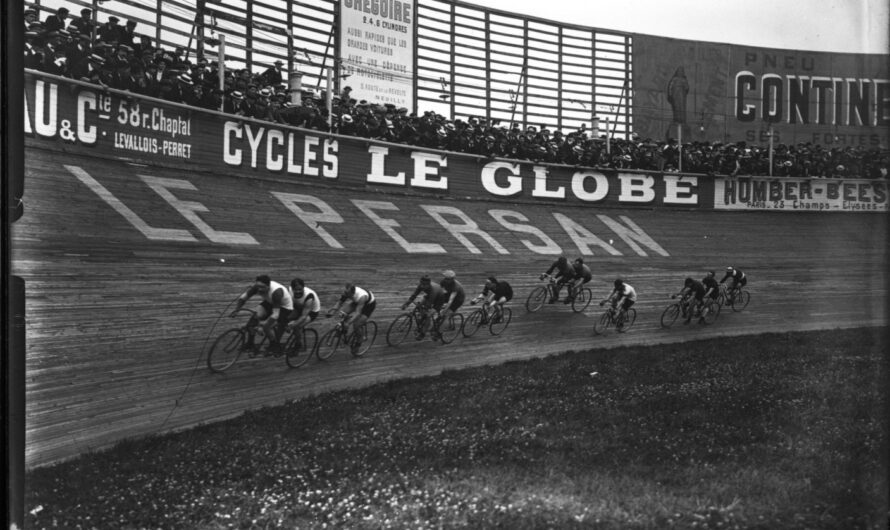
pixel 328 344
pixel 536 299
pixel 366 336
pixel 296 356
pixel 225 350
pixel 472 323
pixel 711 310
pixel 670 315
pixel 582 300
pixel 741 301
pixel 500 322
pixel 630 316
pixel 602 323
pixel 399 329
pixel 451 328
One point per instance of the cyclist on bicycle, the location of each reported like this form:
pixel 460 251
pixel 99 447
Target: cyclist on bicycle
pixel 738 277
pixel 435 297
pixel 455 295
pixel 362 303
pixel 274 310
pixel 712 288
pixel 495 293
pixel 564 274
pixel 307 306
pixel 622 297
pixel 581 275
pixel 693 295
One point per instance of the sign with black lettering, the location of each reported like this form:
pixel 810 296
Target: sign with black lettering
pixel 829 195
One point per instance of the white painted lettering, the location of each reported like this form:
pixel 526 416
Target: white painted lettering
pixel 490 183
pixel 549 246
pixel 467 226
pixel 389 225
pixel 583 237
pixel 313 220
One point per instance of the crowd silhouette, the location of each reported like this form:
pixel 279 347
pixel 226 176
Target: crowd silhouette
pixel 117 56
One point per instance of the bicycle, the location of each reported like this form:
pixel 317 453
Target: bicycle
pixel 710 311
pixel 497 319
pixel 580 297
pixel 359 341
pixel 228 346
pixel 734 297
pixel 622 320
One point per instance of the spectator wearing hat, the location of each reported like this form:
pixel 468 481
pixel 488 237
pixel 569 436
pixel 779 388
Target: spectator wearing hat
pixel 78 49
pixel 84 23
pixel 110 31
pixel 272 76
pixel 57 63
pixel 186 88
pixel 31 16
pixel 232 103
pixel 122 78
pixel 57 21
pixel 33 48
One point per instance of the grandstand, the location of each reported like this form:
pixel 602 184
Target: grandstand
pixel 165 169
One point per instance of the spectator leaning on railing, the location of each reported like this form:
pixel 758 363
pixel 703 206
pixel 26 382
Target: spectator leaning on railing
pixel 122 59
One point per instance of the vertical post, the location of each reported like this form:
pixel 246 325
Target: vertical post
pixel 295 85
pixel 95 17
pixel 329 98
pixel 770 149
pixel 608 138
pixel 199 21
pixel 221 71
pixel 680 147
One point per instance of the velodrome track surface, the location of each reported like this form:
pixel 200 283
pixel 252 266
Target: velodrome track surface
pixel 117 322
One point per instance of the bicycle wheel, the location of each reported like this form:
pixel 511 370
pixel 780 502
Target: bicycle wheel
pixel 536 299
pixel 670 315
pixel 297 357
pixel 328 344
pixel 472 323
pixel 741 300
pixel 712 311
pixel 366 336
pixel 602 323
pixel 627 320
pixel 451 328
pixel 225 350
pixel 582 300
pixel 499 323
pixel 399 329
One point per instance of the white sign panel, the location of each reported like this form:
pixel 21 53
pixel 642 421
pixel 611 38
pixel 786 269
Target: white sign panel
pixel 796 194
pixel 377 50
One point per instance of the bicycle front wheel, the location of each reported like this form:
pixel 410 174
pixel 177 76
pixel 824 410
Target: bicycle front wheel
pixel 364 339
pixel 473 323
pixel 399 329
pixel 500 322
pixel 328 344
pixel 670 315
pixel 627 320
pixel 582 300
pixel 225 350
pixel 741 301
pixel 536 299
pixel 451 328
pixel 296 355
pixel 602 323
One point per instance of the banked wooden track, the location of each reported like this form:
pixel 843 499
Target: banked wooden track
pixel 117 322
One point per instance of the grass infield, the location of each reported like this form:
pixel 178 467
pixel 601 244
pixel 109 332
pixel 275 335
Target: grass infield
pixel 773 431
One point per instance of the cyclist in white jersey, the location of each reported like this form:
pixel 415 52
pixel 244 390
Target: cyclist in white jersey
pixel 274 310
pixel 307 306
pixel 361 305
pixel 622 296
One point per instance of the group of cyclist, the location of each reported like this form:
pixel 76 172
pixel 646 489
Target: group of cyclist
pixel 695 292
pixel 292 307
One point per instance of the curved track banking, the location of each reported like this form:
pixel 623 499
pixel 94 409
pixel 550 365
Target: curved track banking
pixel 119 313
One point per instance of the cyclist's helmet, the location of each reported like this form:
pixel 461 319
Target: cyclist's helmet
pixel 710 274
pixel 578 262
pixel 425 279
pixel 492 281
pixel 688 282
pixel 730 268
pixel 449 274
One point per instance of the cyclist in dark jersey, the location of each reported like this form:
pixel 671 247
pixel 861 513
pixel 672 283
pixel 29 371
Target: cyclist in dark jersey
pixel 712 287
pixel 581 275
pixel 434 298
pixel 738 277
pixel 496 292
pixel 693 294
pixel 454 295
pixel 564 274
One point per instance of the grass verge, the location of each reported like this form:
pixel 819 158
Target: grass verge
pixel 773 431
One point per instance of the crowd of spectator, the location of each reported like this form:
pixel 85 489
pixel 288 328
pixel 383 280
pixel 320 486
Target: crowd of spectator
pixel 116 56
